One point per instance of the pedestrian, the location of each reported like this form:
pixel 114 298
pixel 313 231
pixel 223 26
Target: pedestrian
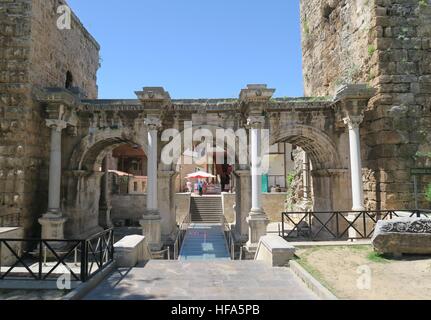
pixel 201 188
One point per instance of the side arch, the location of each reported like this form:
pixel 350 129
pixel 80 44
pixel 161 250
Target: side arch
pixel 321 149
pixel 92 149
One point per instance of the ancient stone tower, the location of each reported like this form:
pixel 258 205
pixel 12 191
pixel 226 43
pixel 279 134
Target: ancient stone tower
pixel 386 43
pixel 35 53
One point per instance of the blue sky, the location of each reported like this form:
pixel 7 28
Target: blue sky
pixel 195 48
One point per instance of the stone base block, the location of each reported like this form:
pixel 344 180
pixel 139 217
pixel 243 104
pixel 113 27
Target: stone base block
pixel 152 230
pixel 275 251
pixel 403 236
pixel 52 226
pixel 258 223
pixel 131 250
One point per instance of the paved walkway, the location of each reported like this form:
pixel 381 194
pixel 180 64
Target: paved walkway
pixel 204 242
pixel 202 280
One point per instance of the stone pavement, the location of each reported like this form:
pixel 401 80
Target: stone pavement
pixel 202 280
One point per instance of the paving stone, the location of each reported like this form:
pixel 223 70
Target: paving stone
pixel 250 280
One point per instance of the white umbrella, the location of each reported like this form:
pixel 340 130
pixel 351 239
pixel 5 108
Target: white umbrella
pixel 200 175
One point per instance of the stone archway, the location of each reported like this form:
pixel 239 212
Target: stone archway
pixel 82 182
pixel 168 173
pixel 330 175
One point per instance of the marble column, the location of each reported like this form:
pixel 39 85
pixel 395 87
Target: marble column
pixel 353 123
pixel 257 219
pixel 151 221
pixel 53 222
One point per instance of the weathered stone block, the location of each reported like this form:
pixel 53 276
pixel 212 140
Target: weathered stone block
pixel 131 250
pixel 275 251
pixel 403 236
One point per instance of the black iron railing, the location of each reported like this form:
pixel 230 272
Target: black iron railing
pixel 10 220
pixel 335 225
pixel 43 259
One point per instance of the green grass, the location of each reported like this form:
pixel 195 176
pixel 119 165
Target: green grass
pixel 377 258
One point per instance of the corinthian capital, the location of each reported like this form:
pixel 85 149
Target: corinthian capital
pixel 153 123
pixel 58 125
pixel 255 122
pixel 353 122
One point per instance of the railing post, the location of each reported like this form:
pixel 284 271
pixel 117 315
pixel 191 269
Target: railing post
pixel 282 225
pixel 310 227
pixel 76 256
pixel 84 261
pixel 365 225
pixel 40 258
pixel 111 254
pixel 337 221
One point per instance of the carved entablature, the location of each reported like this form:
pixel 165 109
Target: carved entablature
pixel 255 98
pixel 154 98
pixel 60 106
pixel 351 102
pixel 407 226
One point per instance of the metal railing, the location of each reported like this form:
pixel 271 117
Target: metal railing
pixel 228 234
pixel 182 230
pixel 165 254
pixel 335 225
pixel 10 220
pixel 47 259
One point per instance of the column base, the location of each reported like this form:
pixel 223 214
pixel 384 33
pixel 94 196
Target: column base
pixel 258 223
pixel 152 229
pixel 105 217
pixel 53 229
pixel 52 226
pixel 351 217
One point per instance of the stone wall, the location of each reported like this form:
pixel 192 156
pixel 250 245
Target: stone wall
pixel 34 53
pixel 6 256
pixel 388 45
pixel 273 205
pixel 126 207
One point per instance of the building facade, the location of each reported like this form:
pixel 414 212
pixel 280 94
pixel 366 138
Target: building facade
pixel 362 143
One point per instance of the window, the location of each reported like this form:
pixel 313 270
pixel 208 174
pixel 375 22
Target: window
pixel 135 186
pixel 69 80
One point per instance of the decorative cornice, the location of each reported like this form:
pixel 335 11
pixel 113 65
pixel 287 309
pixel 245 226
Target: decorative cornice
pixel 256 93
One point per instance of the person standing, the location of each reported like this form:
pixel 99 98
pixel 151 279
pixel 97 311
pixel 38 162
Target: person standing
pixel 201 188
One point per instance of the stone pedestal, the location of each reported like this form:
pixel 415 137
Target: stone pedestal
pixel 258 223
pixel 152 229
pixel 105 217
pixel 52 226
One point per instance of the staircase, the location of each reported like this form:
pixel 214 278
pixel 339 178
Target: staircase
pixel 206 209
